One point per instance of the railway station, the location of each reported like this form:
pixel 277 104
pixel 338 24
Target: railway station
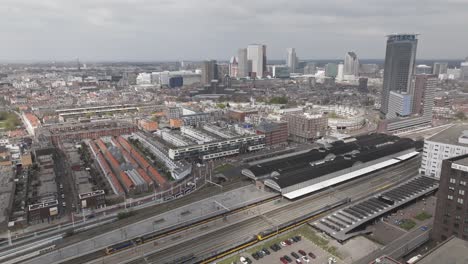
pixel 297 175
pixel 350 221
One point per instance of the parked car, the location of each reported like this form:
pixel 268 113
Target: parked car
pixel 275 247
pixel 255 256
pixel 283 260
pixel 266 251
pixel 283 243
pixel 305 259
pixel 298 261
pixel 312 255
pixel 295 255
pixel 288 258
pixel 302 252
pixel 287 242
pixel 243 260
pixel 298 238
pixel 291 240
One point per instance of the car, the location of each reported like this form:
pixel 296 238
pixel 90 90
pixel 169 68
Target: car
pixel 266 251
pixel 61 186
pixel 298 261
pixel 283 260
pixel 424 228
pixel 288 242
pixel 243 260
pixel 260 254
pixel 287 258
pixel 63 195
pixel 64 204
pixel 312 255
pixel 302 252
pixel 305 259
pixel 273 248
pixel 295 255
pixel 298 238
pixel 255 256
pixel 291 240
pixel 283 243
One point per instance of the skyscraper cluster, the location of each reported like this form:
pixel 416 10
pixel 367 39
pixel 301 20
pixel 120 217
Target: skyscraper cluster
pixel 250 62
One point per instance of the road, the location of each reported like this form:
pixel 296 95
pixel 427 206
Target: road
pixel 403 244
pixel 263 217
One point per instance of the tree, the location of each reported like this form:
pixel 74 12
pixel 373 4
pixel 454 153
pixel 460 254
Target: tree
pixel 279 100
pixel 460 115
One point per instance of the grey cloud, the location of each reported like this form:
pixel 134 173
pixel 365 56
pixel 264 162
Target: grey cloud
pixel 198 29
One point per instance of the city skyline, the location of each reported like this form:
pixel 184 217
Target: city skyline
pixel 161 31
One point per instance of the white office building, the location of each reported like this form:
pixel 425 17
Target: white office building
pixel 449 143
pixel 255 55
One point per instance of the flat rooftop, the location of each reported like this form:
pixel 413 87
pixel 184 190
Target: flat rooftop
pixel 452 251
pixel 450 135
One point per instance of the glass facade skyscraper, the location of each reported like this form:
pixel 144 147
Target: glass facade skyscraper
pixel 399 66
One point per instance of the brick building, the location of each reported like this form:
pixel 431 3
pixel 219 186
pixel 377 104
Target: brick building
pixel 306 127
pixel 276 133
pixel 451 218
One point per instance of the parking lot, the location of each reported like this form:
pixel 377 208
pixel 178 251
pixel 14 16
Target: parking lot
pixel 416 215
pixel 321 256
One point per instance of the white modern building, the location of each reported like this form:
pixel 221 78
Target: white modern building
pixel 449 143
pixel 340 74
pixel 291 59
pixel 255 57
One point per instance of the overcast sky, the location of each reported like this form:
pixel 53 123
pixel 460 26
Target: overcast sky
pixel 204 29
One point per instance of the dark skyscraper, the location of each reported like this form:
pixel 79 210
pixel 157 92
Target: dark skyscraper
pixel 399 66
pixel 209 71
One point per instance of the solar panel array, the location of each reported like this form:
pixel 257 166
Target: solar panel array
pixel 346 220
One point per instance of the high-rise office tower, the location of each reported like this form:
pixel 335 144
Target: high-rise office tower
pixel 242 63
pixel 464 70
pixel 423 95
pixel 331 69
pixel 209 71
pixel 399 65
pixel 439 68
pixel 340 72
pixel 264 60
pixel 351 64
pixel 291 59
pixel 257 58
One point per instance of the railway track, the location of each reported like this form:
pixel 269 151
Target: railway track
pixel 258 223
pixel 230 235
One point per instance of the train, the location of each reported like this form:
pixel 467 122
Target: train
pixel 274 231
pixel 30 255
pixel 156 235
